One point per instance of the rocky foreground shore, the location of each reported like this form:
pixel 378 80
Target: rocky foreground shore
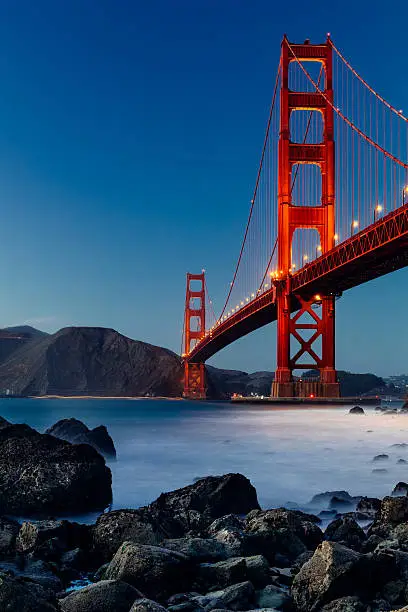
pixel 207 546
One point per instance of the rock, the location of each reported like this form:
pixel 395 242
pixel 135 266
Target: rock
pixel 50 539
pixel 379 471
pixel 394 591
pixel 113 528
pixel 281 532
pixel 323 499
pixel 394 510
pixel 229 531
pixel 212 497
pixel 346 531
pixel 146 605
pixel 104 596
pixel 8 533
pixel 328 575
pixel 258 570
pixel 198 550
pixel 15 596
pixel 345 604
pixel 399 445
pixel 341 504
pixel 40 474
pixel 356 410
pixel 369 506
pixel 381 457
pixel 237 597
pixel 215 576
pixel 401 488
pixel 39 572
pixel 402 461
pixel 156 571
pixel 275 597
pixel 76 432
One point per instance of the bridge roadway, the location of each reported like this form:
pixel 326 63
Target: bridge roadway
pixel 374 251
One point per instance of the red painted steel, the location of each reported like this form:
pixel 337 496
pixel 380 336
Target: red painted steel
pixel 194 372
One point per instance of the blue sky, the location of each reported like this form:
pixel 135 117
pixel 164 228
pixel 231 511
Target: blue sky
pixel 130 134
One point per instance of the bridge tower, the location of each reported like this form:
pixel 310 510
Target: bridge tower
pixel 194 330
pixel 320 216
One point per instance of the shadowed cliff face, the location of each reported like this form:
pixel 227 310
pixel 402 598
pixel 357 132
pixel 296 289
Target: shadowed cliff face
pixel 91 361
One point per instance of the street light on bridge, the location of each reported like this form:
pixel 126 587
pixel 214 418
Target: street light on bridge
pixel 404 191
pixel 354 226
pixel 377 210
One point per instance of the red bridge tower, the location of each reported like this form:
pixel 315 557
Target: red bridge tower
pixel 290 217
pixel 194 330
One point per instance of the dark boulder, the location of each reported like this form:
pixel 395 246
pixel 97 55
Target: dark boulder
pixel 76 432
pixel 40 474
pixel 50 539
pixel 156 571
pixel 401 488
pixel 394 510
pixel 229 531
pixel 356 410
pixel 281 534
pixel 381 457
pixel 212 497
pixel 113 528
pixel 8 534
pixel 323 499
pixel 104 596
pixel 369 506
pixel 346 531
pixel 198 550
pixel 239 596
pixel 215 576
pixel 346 604
pixel 146 605
pixel 16 596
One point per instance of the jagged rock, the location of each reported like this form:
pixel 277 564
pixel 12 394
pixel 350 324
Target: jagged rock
pixel 281 532
pixel 401 488
pixel 50 539
pixel 212 497
pixel 328 575
pixel 324 499
pixel 15 596
pixel 76 432
pixel 402 460
pixel 229 531
pixel 156 571
pixel 113 528
pixel 394 510
pixel 345 604
pixel 356 410
pixel 369 506
pixel 146 605
pixel 342 505
pixel 346 531
pixel 104 596
pixel 381 457
pixel 220 575
pixel 8 534
pixel 275 597
pixel 41 474
pixel 393 591
pixel 236 597
pixel 258 570
pixel 34 572
pixel 198 550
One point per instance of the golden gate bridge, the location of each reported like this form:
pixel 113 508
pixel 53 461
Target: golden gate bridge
pixel 329 211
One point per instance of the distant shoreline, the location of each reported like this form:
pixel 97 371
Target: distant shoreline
pixel 104 397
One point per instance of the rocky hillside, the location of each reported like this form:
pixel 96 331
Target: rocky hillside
pixel 98 361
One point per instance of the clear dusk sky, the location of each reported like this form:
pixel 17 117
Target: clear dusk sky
pixel 130 134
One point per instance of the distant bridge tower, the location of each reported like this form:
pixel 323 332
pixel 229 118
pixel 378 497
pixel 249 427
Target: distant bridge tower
pixel 320 216
pixel 194 330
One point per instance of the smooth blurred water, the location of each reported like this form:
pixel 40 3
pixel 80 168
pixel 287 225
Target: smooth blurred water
pixel 289 454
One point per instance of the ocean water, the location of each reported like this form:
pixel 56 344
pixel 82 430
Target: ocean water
pixel 289 454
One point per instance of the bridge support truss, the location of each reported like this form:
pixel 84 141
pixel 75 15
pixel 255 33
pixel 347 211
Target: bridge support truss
pixel 194 330
pixel 320 216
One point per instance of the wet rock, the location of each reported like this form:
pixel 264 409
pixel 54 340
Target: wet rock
pixel 342 505
pixel 369 506
pixel 394 510
pixel 38 572
pixel 156 571
pixel 220 575
pixel 394 591
pixel 104 596
pixel 50 539
pixel 328 575
pixel 198 550
pixel 15 596
pixel 40 474
pixel 237 597
pixel 379 471
pixel 324 499
pixel 401 488
pixel 76 432
pixel 258 570
pixel 356 410
pixel 402 461
pixel 345 604
pixel 146 605
pixel 281 532
pixel 273 596
pixel 381 457
pixel 212 497
pixel 229 531
pixel 8 534
pixel 346 531
pixel 113 528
